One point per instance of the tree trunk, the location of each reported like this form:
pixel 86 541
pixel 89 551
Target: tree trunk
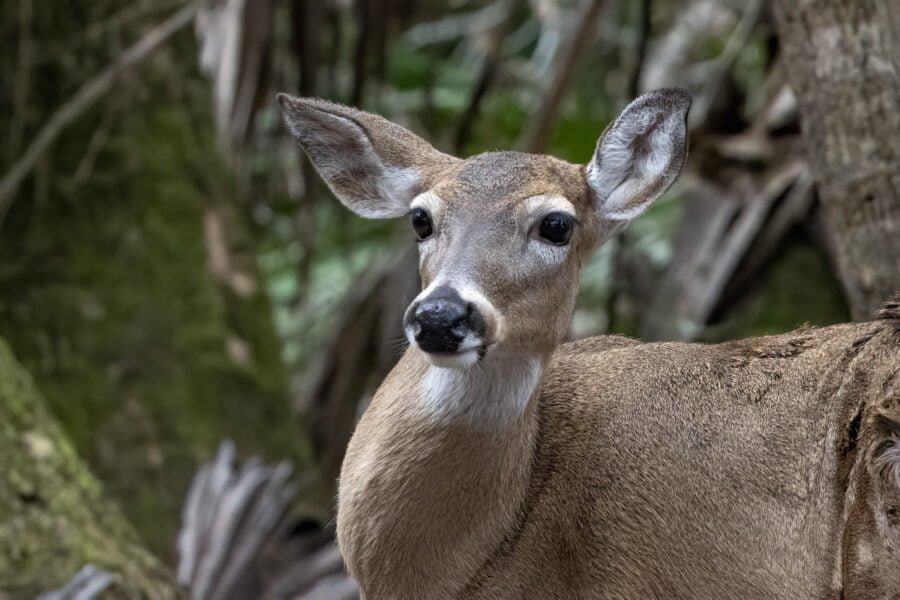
pixel 128 272
pixel 840 60
pixel 53 518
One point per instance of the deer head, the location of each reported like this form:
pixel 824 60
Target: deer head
pixel 502 235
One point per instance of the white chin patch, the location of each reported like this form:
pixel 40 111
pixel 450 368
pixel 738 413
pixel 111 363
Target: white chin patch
pixel 497 390
pixel 458 360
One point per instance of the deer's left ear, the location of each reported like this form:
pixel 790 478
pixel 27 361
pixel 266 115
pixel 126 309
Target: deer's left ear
pixel 640 154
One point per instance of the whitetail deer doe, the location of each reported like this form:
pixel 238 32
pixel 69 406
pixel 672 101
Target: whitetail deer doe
pixel 496 462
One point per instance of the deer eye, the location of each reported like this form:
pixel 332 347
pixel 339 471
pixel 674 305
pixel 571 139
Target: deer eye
pixel 556 228
pixel 421 224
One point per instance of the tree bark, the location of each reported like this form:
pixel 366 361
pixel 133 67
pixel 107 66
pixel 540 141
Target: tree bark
pixel 840 61
pixel 53 517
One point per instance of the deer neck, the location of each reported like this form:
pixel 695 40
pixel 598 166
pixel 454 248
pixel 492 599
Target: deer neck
pixel 436 473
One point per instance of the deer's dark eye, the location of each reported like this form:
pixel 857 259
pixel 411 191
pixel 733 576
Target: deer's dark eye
pixel 556 228
pixel 421 223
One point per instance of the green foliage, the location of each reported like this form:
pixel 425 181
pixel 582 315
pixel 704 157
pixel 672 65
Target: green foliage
pixel 751 64
pixel 347 246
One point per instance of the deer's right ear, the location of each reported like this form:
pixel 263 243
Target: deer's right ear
pixel 373 166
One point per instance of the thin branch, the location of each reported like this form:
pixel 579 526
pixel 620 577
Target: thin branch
pixel 94 148
pixel 126 16
pixel 537 132
pixel 379 42
pixel 22 81
pixel 723 222
pixel 361 50
pixel 634 82
pixel 723 63
pixel 622 284
pixel 489 70
pixel 307 21
pixel 454 26
pixel 790 211
pixel 86 584
pixel 335 35
pixel 89 93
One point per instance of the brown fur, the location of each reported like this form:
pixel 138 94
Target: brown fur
pixel 760 468
pixel 642 471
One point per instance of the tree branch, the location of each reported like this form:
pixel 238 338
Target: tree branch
pixel 361 50
pixel 89 93
pixel 22 81
pixel 634 77
pixel 489 70
pixel 537 133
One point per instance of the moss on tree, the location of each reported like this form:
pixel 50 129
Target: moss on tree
pixel 146 355
pixel 53 517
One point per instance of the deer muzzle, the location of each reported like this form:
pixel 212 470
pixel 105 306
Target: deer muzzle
pixel 443 323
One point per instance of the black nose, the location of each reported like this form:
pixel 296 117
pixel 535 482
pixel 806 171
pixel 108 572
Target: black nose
pixel 443 319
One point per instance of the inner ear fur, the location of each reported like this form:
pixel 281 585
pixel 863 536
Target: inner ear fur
pixel 640 154
pixel 373 166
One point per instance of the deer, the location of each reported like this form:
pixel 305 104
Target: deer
pixel 498 461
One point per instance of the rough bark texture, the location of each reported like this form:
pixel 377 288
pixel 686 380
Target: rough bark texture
pixel 53 517
pixel 841 64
